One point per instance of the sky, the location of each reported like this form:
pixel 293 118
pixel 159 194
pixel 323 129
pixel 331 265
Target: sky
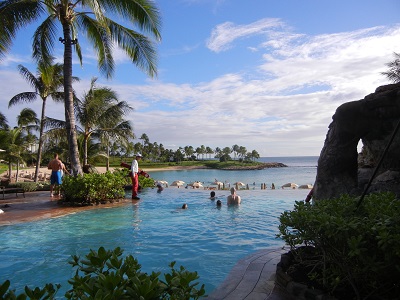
pixel 264 74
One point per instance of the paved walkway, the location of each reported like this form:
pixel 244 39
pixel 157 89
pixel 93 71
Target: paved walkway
pixel 253 278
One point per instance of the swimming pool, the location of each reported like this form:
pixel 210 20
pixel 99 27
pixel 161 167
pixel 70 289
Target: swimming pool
pixel 203 238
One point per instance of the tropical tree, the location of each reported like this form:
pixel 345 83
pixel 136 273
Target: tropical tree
pixel 235 150
pixel 92 18
pixel 14 143
pixel 47 83
pixel 393 74
pixel 101 114
pixel 209 151
pixel 27 120
pixel 3 121
pixel 189 151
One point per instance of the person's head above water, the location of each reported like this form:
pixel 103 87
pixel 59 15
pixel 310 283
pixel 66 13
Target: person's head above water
pixel 212 194
pixel 219 203
pixel 233 190
pixel 184 206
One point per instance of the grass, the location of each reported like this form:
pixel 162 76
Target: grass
pixel 214 164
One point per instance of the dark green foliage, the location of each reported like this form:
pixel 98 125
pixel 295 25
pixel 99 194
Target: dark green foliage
pixel 48 292
pixel 355 250
pixel 31 186
pixel 93 188
pixel 104 274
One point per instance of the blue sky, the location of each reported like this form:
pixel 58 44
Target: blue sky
pixel 263 74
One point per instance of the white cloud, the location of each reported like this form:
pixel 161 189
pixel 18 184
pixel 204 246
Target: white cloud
pixel 282 107
pixel 223 35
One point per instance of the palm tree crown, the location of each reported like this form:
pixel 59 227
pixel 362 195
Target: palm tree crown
pixel 90 18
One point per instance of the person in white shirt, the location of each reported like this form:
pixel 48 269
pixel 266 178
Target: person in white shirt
pixel 135 176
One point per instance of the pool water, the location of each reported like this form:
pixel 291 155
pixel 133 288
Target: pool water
pixel 156 231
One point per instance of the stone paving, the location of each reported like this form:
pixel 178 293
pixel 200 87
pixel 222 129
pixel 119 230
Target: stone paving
pixel 253 278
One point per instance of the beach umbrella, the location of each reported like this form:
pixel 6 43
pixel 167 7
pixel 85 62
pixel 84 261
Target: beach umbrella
pixel 163 182
pixel 290 185
pixel 177 183
pixel 306 186
pixel 196 184
pixel 219 183
pixel 239 183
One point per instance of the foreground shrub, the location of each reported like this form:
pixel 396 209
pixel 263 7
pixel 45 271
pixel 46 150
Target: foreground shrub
pixel 31 186
pixel 356 251
pixel 104 274
pixel 93 188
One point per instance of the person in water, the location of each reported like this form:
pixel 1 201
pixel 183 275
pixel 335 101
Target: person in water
pixel 159 187
pixel 184 206
pixel 219 203
pixel 212 195
pixel 233 199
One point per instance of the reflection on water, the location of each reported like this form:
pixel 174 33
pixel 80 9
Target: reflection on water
pixel 202 238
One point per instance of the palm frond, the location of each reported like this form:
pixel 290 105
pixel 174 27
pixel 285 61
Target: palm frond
pixel 99 36
pixel 43 41
pixel 143 14
pixel 29 77
pixel 14 15
pixel 55 123
pixel 23 97
pixel 137 47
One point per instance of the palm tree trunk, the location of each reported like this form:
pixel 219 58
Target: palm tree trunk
pixel 17 174
pixel 39 153
pixel 85 149
pixel 69 102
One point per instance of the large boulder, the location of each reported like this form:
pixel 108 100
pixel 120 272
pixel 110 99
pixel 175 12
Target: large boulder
pixel 341 170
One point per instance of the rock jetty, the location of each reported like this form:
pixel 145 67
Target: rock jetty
pixel 257 167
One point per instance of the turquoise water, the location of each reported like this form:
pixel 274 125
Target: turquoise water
pixel 203 238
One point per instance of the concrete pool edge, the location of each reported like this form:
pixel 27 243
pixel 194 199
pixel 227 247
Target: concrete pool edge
pixel 253 278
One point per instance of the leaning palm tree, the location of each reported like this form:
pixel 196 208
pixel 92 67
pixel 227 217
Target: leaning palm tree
pixel 91 18
pixel 101 113
pixel 46 83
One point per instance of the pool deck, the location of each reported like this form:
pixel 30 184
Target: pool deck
pixel 252 278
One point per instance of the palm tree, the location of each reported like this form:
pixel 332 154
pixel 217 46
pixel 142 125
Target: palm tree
pixel 101 113
pixel 48 82
pixel 393 74
pixel 27 120
pixel 89 17
pixel 3 121
pixel 235 150
pixel 14 143
pixel 209 151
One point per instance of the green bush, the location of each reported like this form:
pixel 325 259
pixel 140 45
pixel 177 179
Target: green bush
pixel 93 188
pixel 104 274
pixel 31 186
pixel 356 251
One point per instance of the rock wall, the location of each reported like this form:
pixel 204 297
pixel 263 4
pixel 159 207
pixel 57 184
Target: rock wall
pixel 341 170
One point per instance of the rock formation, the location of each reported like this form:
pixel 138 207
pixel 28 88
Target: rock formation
pixel 341 170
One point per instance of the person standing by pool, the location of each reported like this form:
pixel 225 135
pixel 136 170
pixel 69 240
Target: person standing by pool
pixel 55 165
pixel 233 199
pixel 135 176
